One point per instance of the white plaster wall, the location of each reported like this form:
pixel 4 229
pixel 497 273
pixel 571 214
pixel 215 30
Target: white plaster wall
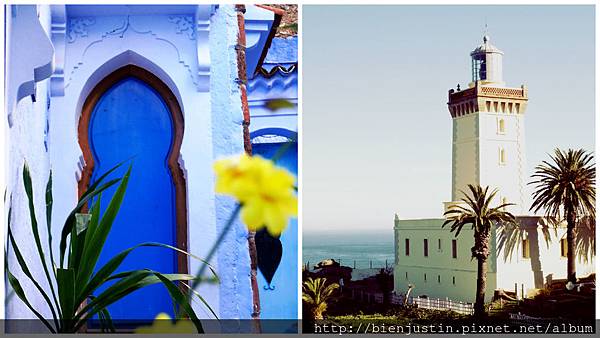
pixel 438 262
pixel 494 68
pixel 545 262
pixel 508 177
pixel 503 271
pixel 476 160
pixel 25 143
pixel 227 118
pixel 465 154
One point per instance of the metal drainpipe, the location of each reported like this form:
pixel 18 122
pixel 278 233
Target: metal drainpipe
pixel 243 80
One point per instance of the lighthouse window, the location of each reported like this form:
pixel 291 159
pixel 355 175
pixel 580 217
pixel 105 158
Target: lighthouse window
pixel 479 69
pixel 525 245
pixel 454 249
pixel 501 126
pixel 502 156
pixel 563 247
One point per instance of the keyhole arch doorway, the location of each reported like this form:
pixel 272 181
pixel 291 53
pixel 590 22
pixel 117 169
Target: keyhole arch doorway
pixel 131 113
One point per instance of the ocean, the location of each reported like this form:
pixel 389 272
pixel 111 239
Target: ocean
pixel 365 249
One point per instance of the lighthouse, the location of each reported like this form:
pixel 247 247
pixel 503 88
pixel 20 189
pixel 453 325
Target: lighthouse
pixel 488 131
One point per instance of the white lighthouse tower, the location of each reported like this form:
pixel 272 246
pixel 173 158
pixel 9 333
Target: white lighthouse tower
pixel 488 142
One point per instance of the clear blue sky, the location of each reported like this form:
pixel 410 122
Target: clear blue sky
pixel 376 129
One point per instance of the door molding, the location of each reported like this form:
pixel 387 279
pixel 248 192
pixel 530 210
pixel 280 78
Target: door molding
pixel 181 228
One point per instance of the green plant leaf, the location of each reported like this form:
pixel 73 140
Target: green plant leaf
pixel 16 286
pixel 181 300
pixel 70 221
pixel 27 272
pixel 112 294
pixel 201 299
pixel 66 290
pixel 133 281
pixel 91 253
pixel 34 227
pixel 106 323
pixel 49 202
pixel 104 273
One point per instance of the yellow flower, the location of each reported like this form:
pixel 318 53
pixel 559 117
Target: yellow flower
pixel 163 324
pixel 265 191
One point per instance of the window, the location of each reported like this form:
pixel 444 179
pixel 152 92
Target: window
pixel 425 277
pixel 454 251
pixel 407 247
pixel 501 156
pixel 406 274
pixel 425 247
pixel 453 280
pixel 564 248
pixel 501 126
pixel 478 68
pixel 439 244
pixel 439 279
pixel 525 248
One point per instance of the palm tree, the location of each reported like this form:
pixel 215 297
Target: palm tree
pixel 316 292
pixel 482 217
pixel 566 190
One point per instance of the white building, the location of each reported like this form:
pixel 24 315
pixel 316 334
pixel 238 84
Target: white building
pixel 488 148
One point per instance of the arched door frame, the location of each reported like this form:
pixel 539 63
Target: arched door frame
pixel 181 231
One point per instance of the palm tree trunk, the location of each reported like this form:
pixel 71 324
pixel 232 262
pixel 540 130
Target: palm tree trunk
pixel 481 283
pixel 571 273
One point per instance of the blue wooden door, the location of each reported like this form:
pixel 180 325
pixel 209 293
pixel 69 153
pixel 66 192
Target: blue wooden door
pixel 278 300
pixel 132 121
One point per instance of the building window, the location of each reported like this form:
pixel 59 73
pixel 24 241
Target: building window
pixel 502 156
pixel 439 244
pixel 439 279
pixel 407 247
pixel 564 248
pixel 525 247
pixel 501 126
pixel 406 274
pixel 425 277
pixel 454 251
pixel 453 280
pixel 425 247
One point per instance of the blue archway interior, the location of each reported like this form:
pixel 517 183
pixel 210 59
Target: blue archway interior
pixel 132 121
pixel 276 294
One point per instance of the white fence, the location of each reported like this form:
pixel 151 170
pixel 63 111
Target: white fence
pixel 435 304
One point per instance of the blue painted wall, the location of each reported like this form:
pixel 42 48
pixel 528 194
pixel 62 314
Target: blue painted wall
pixel 269 130
pixel 279 301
